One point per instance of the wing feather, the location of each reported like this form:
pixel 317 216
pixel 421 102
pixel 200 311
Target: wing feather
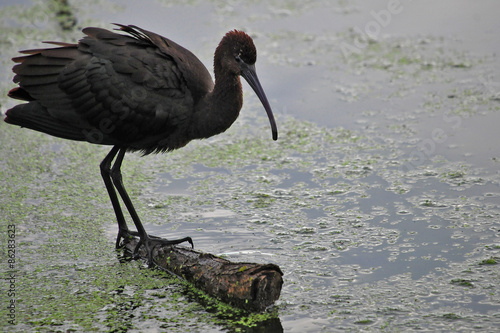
pixel 141 83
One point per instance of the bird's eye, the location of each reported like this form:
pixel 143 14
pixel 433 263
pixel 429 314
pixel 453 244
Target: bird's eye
pixel 237 58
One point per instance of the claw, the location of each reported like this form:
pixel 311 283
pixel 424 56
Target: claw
pixel 125 235
pixel 152 241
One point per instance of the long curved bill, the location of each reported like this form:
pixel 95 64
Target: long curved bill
pixel 250 75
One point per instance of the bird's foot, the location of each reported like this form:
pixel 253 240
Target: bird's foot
pixel 125 235
pixel 152 241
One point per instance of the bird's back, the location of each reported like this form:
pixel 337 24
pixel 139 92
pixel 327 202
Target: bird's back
pixel 137 91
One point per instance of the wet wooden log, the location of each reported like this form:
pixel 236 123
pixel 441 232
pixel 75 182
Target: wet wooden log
pixel 249 286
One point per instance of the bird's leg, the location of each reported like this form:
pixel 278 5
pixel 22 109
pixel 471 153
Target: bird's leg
pixel 123 231
pixel 149 241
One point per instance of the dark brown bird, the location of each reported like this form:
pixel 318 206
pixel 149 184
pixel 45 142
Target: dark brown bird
pixel 137 91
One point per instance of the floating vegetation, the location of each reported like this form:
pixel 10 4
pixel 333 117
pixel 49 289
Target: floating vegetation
pixel 380 209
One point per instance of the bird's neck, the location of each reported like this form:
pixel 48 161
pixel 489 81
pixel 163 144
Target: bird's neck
pixel 220 108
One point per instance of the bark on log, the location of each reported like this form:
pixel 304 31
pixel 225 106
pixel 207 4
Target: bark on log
pixel 249 286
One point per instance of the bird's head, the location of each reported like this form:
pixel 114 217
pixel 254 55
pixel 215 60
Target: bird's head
pixel 236 55
pixel 235 51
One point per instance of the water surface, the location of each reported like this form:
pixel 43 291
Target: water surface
pixel 379 201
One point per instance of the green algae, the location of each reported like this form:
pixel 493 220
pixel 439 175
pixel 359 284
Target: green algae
pixel 489 261
pixel 65 260
pixel 361 229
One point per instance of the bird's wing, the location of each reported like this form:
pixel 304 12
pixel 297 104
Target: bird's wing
pixel 196 75
pixel 126 88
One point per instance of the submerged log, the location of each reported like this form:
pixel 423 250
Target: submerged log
pixel 249 286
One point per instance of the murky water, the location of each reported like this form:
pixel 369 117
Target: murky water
pixel 380 201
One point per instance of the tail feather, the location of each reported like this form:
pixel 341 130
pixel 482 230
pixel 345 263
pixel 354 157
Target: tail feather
pixel 34 116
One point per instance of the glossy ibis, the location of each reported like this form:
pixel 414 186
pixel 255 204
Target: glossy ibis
pixel 135 91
